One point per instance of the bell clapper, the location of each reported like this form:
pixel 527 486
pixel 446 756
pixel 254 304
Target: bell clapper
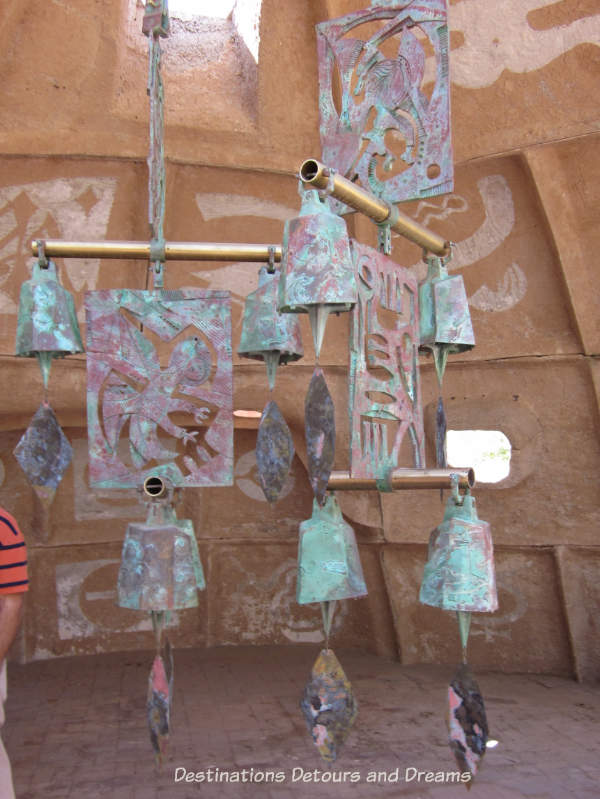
pixel 327 611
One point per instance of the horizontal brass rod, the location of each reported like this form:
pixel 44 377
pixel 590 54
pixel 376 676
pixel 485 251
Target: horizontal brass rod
pixel 404 479
pixel 174 250
pixel 315 174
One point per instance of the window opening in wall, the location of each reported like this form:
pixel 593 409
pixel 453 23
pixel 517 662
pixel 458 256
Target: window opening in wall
pixel 244 14
pixel 188 9
pixel 487 451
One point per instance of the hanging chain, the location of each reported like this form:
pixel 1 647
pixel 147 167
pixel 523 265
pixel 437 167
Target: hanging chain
pixel 155 25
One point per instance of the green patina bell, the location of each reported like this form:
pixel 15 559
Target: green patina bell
pixel 459 573
pixel 444 318
pixel 329 565
pixel 160 564
pixel 268 335
pixel 47 325
pixel 317 274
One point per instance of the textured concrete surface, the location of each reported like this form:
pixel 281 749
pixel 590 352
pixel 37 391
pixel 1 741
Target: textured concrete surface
pixel 76 728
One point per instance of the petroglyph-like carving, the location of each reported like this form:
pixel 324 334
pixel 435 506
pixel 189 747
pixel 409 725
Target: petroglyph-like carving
pixel 222 206
pixel 499 36
pixel 499 209
pixel 67 208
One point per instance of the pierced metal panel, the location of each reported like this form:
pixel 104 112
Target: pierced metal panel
pixel 385 389
pixel 380 120
pixel 139 412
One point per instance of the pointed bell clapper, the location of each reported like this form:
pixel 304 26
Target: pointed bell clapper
pixel 274 338
pixel 317 273
pixel 47 328
pixel 160 572
pixel 47 325
pixel 445 328
pixel 459 576
pixel 268 335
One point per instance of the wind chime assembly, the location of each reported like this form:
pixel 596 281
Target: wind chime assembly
pixel 133 441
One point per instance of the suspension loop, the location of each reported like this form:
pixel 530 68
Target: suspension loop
pixel 271 264
pixel 42 260
pixel 384 230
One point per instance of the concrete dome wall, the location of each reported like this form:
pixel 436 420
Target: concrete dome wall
pixel 73 143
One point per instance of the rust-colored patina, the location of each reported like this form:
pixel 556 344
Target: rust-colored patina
pixel 47 324
pixel 328 705
pixel 459 574
pixel 317 275
pixel 129 392
pixel 329 565
pixel 267 335
pixel 444 316
pixel 467 721
pixel 384 387
pixel 383 98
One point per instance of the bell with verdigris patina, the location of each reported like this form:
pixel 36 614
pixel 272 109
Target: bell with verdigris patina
pixel 329 565
pixel 317 274
pixel 160 564
pixel 444 318
pixel 47 325
pixel 459 573
pixel 268 335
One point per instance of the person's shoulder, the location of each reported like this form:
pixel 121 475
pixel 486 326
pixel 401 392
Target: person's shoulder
pixel 10 532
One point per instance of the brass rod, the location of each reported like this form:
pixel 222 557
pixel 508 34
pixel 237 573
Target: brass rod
pixel 317 175
pixel 174 250
pixel 404 479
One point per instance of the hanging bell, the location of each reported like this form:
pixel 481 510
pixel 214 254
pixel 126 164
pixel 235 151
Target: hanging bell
pixel 459 573
pixel 317 274
pixel 267 335
pixel 47 325
pixel 160 564
pixel 329 565
pixel 444 318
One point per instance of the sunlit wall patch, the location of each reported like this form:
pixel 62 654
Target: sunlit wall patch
pixel 487 451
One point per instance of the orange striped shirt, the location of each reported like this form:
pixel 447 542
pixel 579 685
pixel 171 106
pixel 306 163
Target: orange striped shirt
pixel 13 556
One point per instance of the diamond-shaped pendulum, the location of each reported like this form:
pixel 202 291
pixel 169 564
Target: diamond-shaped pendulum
pixel 467 721
pixel 274 451
pixel 319 422
pixel 328 705
pixel 44 453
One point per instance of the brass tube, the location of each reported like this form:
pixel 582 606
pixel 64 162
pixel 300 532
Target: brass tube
pixel 404 479
pixel 319 176
pixel 174 250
